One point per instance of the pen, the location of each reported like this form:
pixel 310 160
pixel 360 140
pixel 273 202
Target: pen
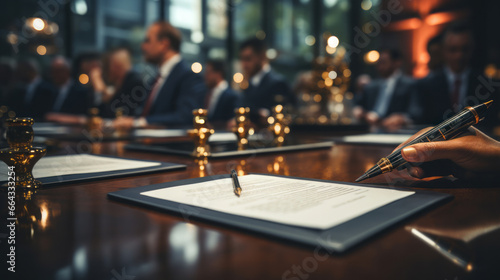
pixel 236 183
pixel 444 131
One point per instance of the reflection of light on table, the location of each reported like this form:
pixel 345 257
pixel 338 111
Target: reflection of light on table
pixel 446 252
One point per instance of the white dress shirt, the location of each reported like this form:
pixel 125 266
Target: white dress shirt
pixel 216 93
pixel 387 91
pixel 257 78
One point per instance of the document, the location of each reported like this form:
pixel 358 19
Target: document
pixel 296 202
pixel 79 164
pixel 160 133
pixel 389 139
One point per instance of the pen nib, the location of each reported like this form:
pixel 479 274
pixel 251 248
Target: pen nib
pixel 238 192
pixel 488 104
pixel 361 178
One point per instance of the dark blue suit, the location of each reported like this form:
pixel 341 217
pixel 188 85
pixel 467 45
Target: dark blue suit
pixel 79 99
pixel 403 100
pixel 40 103
pixel 435 96
pixel 181 93
pixel 224 109
pixel 272 90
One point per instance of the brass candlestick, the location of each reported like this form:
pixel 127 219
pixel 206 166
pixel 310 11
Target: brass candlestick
pixel 200 133
pixel 21 154
pixel 278 125
pixel 242 129
pixel 94 122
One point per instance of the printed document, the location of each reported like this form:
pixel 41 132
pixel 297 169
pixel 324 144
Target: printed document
pixel 296 202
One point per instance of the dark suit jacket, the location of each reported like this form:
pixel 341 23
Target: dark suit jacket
pixel 224 109
pixel 272 90
pixel 434 93
pixel 181 93
pixel 403 99
pixel 78 101
pixel 40 104
pixel 125 97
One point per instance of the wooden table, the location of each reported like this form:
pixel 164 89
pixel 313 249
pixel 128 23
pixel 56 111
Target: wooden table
pixel 74 232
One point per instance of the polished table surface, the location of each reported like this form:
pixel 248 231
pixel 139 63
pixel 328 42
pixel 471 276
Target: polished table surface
pixel 74 231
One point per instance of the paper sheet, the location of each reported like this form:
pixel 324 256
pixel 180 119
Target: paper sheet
pixel 160 133
pixel 78 164
pixel 393 139
pixel 288 201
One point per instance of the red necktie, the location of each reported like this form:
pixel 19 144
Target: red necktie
pixel 455 97
pixel 151 97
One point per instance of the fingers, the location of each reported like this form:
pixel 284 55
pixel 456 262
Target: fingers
pixel 430 151
pixel 434 168
pixel 413 137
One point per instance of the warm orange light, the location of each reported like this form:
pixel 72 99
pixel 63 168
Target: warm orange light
pixel 371 57
pixel 196 67
pixel 439 18
pixel 238 78
pixel 38 24
pixel 406 24
pixel 84 79
pixel 41 50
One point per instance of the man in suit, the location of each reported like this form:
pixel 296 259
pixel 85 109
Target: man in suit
pixel 72 98
pixel 123 78
pixel 176 92
pixel 220 100
pixel 387 101
pixel 32 96
pixel 266 88
pixel 456 85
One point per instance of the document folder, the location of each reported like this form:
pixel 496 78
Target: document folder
pixel 336 239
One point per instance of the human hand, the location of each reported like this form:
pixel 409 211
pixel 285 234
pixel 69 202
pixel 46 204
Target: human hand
pixel 469 156
pixel 394 122
pixel 123 123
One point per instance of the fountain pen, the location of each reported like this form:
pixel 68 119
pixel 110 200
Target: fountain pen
pixel 446 130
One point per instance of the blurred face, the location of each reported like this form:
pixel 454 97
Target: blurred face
pixel 154 49
pixel 251 62
pixel 212 78
pixel 59 73
pixel 386 65
pixel 457 51
pixel 435 56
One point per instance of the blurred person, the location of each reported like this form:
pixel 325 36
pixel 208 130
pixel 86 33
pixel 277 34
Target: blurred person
pixel 72 97
pixel 266 88
pixel 124 80
pixel 7 67
pixel 456 85
pixel 220 100
pixel 31 96
pixel 388 101
pixel 177 90
pixel 435 51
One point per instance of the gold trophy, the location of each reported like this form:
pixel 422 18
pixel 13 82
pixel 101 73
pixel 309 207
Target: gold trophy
pixel 21 154
pixel 200 133
pixel 278 125
pixel 242 129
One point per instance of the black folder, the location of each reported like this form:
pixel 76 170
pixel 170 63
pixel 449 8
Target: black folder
pixel 74 178
pixel 336 239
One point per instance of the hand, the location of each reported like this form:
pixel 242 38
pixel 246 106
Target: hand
pixel 394 122
pixel 96 79
pixel 66 118
pixel 372 118
pixel 123 123
pixel 473 155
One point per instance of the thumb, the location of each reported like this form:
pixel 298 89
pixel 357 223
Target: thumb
pixel 430 151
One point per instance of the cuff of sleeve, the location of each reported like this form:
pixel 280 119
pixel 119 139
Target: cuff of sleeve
pixel 140 122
